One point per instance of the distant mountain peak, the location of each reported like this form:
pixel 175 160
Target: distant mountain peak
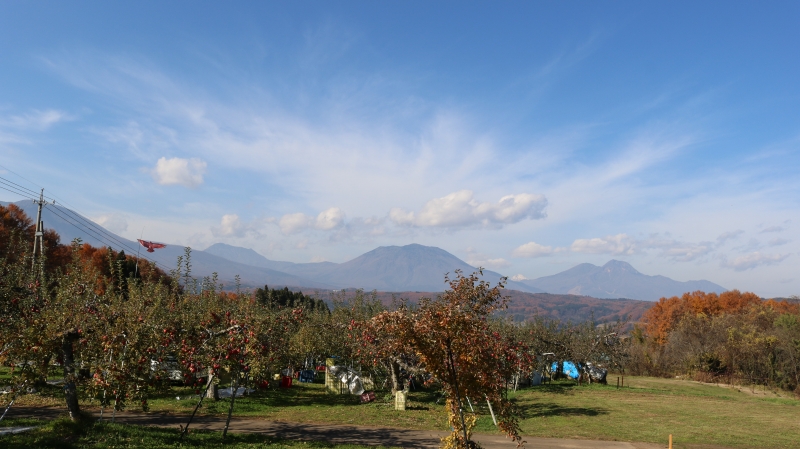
pixel 619 266
pixel 617 279
pixel 225 246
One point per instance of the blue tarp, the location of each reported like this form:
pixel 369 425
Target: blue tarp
pixel 570 369
pixel 307 376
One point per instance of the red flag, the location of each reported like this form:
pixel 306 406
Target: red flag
pixel 151 246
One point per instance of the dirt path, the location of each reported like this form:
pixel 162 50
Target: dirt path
pixel 368 436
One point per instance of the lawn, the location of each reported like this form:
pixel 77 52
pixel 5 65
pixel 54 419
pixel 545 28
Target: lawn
pixel 649 409
pixel 311 403
pixel 64 434
pixel 646 410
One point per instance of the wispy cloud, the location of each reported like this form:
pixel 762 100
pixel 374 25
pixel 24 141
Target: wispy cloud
pixel 778 242
pixel 477 259
pixel 620 244
pixel 406 167
pixel 461 209
pixel 730 235
pixel 35 120
pixel 752 260
pixel 114 222
pixel 624 244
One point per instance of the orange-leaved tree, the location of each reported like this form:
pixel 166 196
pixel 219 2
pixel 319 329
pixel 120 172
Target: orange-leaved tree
pixel 665 315
pixel 455 343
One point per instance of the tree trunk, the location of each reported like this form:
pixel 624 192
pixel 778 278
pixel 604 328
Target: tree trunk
pixel 70 390
pixel 397 382
pixel 454 375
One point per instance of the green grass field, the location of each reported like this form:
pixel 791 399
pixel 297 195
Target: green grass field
pixel 646 410
pixel 310 403
pixel 649 409
pixel 64 434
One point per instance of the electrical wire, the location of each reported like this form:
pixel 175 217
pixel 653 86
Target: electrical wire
pixel 17 174
pixel 78 221
pixel 96 227
pixel 100 238
pixel 77 217
pixel 9 182
pixel 14 191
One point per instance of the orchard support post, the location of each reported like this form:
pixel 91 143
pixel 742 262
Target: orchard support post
pixel 491 410
pixel 185 430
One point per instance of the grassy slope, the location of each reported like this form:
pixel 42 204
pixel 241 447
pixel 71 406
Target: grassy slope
pixel 647 410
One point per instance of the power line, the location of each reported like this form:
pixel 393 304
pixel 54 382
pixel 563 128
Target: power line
pixel 12 171
pixel 9 182
pixel 76 215
pixel 88 225
pixel 13 191
pixel 96 227
pixel 101 238
pixel 52 198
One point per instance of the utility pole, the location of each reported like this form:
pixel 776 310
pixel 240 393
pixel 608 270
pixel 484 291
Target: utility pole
pixel 38 239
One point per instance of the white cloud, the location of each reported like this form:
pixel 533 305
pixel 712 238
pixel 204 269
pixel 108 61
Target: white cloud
pixel 292 223
pixel 233 226
pixel 482 260
pixel 532 249
pixel 461 209
pixel 623 244
pixel 620 244
pixel 772 229
pixel 116 223
pixel 186 172
pixel 327 220
pixel 330 219
pixel 518 277
pixel 401 217
pixel 230 226
pixel 490 263
pixel 753 260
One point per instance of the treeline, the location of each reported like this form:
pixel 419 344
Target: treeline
pixel 283 298
pixel 732 337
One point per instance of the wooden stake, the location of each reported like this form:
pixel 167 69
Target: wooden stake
pixel 492 412
pixel 670 441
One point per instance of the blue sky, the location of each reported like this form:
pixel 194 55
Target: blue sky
pixel 526 137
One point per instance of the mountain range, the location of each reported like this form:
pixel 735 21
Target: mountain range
pixel 388 268
pixel 617 279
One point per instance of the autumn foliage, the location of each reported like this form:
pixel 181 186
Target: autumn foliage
pixel 734 337
pixel 453 338
pixel 665 315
